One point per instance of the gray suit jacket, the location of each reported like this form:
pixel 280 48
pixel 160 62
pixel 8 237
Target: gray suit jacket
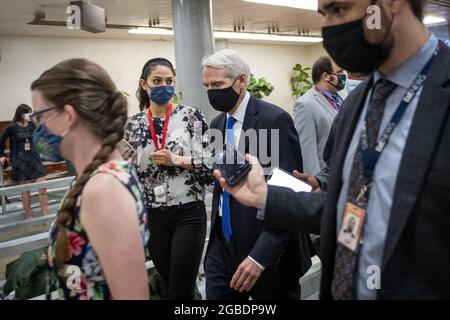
pixel 313 116
pixel 417 250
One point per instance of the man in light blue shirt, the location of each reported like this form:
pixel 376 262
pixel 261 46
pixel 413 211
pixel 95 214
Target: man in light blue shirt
pixel 403 249
pixel 385 177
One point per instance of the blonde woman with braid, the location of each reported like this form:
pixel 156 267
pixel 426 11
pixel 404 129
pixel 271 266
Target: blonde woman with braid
pixel 96 244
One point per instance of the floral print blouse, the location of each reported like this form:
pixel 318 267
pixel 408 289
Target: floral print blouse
pixel 187 135
pixel 83 260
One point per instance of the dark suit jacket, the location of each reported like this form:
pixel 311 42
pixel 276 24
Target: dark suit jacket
pixel 416 260
pixel 280 251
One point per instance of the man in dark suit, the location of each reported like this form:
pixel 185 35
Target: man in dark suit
pixel 400 186
pixel 243 258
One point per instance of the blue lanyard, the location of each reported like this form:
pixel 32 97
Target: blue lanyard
pixel 371 156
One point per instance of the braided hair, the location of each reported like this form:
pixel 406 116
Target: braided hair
pixel 90 91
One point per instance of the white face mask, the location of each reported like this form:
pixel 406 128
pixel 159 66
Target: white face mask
pixel 352 84
pixel 26 116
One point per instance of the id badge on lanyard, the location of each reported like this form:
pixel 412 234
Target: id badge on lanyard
pixel 160 191
pixel 351 227
pixel 355 211
pixel 27 145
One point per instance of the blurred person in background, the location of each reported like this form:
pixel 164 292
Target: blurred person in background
pixel 25 160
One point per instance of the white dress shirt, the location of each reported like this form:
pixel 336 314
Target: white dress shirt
pixel 239 115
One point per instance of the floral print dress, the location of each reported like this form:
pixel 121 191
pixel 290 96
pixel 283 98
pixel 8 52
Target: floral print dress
pixel 84 278
pixel 187 135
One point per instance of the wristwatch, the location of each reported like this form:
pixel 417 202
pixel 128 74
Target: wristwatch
pixel 196 164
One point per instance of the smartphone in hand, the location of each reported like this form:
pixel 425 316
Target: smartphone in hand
pixel 126 149
pixel 232 165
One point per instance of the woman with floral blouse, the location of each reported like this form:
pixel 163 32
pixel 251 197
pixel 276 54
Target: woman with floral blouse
pixel 174 166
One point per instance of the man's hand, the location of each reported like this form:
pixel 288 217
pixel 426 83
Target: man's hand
pixel 311 180
pixel 245 276
pixel 252 191
pixel 2 160
pixel 166 158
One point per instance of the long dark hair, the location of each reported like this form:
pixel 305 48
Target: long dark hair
pixel 20 111
pixel 90 91
pixel 141 94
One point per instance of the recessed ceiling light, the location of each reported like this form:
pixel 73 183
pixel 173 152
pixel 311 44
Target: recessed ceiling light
pixel 153 31
pixel 433 20
pixel 299 4
pixel 235 35
pixel 265 37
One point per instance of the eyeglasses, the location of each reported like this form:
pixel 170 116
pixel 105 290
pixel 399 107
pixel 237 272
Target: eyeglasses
pixel 36 116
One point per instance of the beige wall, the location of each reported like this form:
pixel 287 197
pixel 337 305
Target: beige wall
pixel 314 53
pixel 274 63
pixel 23 59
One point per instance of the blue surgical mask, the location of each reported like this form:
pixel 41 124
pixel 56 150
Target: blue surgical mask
pixel 162 95
pixel 352 84
pixel 47 144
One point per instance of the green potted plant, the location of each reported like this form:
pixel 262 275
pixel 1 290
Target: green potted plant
pixel 300 81
pixel 27 276
pixel 260 88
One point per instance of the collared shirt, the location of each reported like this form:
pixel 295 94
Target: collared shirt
pixel 239 115
pixel 381 196
pixel 334 97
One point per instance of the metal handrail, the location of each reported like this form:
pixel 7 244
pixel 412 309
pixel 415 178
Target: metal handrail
pixel 27 223
pixel 56 183
pixel 21 245
pixel 61 184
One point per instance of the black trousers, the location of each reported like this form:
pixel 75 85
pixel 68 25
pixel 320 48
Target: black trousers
pixel 221 263
pixel 177 238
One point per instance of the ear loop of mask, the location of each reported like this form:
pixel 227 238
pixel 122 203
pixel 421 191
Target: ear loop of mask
pixel 240 92
pixel 329 82
pixel 62 135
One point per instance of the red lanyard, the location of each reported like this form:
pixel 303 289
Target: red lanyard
pixel 333 104
pixel 166 126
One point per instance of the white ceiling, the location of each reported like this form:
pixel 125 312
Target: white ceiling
pixel 15 14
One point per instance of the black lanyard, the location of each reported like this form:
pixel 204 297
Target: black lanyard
pixel 371 156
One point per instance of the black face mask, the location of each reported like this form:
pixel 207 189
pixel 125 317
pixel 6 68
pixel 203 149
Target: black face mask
pixel 342 80
pixel 224 100
pixel 348 47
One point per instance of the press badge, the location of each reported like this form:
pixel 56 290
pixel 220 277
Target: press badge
pixel 351 227
pixel 160 194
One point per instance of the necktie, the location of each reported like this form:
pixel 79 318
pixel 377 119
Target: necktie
pixel 338 101
pixel 345 259
pixel 226 214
